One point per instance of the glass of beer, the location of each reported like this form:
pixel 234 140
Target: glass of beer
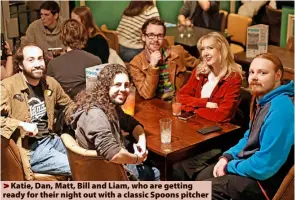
pixel 129 105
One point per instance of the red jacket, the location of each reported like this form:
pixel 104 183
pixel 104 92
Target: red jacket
pixel 226 94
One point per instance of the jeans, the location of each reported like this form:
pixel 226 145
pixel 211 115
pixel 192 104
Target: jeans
pixel 48 156
pixel 231 186
pixel 144 172
pixel 127 54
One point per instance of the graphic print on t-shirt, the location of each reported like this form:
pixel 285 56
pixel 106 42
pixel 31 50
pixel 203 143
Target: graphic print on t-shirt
pixel 38 110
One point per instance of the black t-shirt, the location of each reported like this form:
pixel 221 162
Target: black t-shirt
pixel 38 109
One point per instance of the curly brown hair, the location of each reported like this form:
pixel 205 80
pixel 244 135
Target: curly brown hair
pixel 99 95
pixel 73 34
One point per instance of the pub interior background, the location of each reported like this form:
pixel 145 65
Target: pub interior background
pixel 17 15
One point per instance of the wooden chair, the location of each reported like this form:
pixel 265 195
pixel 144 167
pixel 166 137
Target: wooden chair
pixel 169 41
pixel 86 165
pixel 274 19
pixel 112 37
pixel 12 168
pixel 237 27
pixel 224 15
pixel 286 189
pixel 290 44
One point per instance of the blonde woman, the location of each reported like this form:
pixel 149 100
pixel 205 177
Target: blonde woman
pixel 213 95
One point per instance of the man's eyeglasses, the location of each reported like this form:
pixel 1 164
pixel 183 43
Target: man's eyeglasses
pixel 152 36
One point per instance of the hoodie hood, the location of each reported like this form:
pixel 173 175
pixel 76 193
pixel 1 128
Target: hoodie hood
pixel 75 117
pixel 287 89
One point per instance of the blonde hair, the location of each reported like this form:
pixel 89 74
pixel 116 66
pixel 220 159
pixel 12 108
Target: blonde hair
pixel 228 64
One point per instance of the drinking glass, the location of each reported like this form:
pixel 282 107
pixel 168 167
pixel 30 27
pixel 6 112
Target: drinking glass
pixel 165 130
pixel 176 107
pixel 181 30
pixel 129 105
pixel 189 30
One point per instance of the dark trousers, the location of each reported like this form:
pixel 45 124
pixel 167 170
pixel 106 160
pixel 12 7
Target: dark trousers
pixel 231 186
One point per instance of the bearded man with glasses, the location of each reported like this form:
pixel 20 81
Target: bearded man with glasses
pixel 159 70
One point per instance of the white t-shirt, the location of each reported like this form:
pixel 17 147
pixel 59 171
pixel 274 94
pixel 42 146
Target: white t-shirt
pixel 209 86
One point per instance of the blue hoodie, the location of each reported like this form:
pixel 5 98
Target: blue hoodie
pixel 266 145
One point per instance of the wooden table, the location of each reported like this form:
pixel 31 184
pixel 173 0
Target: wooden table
pixel 190 43
pixel 185 140
pixel 286 57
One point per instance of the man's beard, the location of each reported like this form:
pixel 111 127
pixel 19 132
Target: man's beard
pixel 118 103
pixel 31 75
pixel 257 90
pixel 153 50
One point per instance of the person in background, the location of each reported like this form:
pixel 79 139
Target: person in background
pixel 159 70
pixel 214 95
pixel 200 13
pixel 99 122
pixel 28 100
pixel 129 28
pixel 7 65
pixel 45 32
pixel 69 68
pixel 96 43
pixel 255 167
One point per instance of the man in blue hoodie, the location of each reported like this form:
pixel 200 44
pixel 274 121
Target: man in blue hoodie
pixel 256 166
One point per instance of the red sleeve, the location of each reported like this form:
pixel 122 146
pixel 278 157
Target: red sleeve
pixel 187 94
pixel 227 107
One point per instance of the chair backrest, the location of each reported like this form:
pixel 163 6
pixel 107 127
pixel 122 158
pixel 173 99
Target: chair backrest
pixel 169 40
pixel 12 168
pixel 286 189
pixel 86 165
pixel 112 37
pixel 237 27
pixel 224 15
pixel 11 164
pixel 114 58
pixel 274 19
pixel 290 44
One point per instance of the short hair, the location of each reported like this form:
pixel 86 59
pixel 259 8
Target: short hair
pixel 73 34
pixel 275 60
pixel 18 57
pixel 154 21
pixel 52 6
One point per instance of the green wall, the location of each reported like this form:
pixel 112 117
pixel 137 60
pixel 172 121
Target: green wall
pixel 284 25
pixel 110 12
pixel 169 10
pixel 107 12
